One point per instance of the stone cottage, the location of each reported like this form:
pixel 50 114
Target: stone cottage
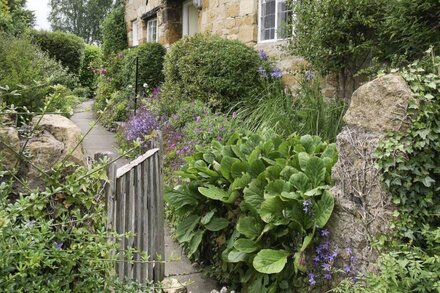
pixel 258 23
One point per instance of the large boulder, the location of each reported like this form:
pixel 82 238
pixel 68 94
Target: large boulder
pixel 363 210
pixel 65 131
pixel 44 151
pixel 9 148
pixel 380 105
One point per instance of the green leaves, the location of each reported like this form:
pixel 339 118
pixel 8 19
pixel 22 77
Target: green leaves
pixel 323 209
pixel 269 261
pixel 249 207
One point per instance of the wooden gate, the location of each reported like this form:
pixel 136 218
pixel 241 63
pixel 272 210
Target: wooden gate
pixel 135 205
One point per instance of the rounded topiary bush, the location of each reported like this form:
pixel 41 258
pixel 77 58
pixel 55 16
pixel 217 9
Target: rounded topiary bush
pixel 151 58
pixel 212 69
pixel 64 47
pixel 92 61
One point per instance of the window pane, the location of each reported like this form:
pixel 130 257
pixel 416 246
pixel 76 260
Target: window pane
pixel 267 21
pixel 284 20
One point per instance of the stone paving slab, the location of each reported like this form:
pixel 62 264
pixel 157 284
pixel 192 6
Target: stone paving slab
pixel 100 139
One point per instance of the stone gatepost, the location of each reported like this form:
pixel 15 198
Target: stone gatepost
pixel 363 209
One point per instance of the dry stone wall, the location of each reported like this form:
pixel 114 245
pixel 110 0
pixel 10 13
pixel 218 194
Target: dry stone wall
pixel 363 210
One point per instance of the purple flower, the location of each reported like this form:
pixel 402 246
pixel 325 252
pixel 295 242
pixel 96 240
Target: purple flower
pixel 219 138
pixel 198 119
pixel 312 280
pixel 143 123
pixel 262 54
pixel 347 269
pixel 328 276
pixel 156 92
pixel 58 245
pixel 310 75
pixel 348 250
pixel 103 71
pixel 276 73
pixel 324 233
pixel 262 72
pixel 326 267
pixel 307 204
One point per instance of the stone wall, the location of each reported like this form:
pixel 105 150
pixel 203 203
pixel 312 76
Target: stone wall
pixel 363 210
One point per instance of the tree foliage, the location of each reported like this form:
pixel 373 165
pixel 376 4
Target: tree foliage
pixel 114 32
pixel 80 17
pixel 14 17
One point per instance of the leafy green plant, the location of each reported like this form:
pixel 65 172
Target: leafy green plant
pixel 114 32
pixel 61 100
pixel 64 47
pixel 249 207
pixel 150 59
pixel 92 60
pixel 26 68
pixel 192 70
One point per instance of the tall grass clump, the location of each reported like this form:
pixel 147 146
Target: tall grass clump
pixel 304 111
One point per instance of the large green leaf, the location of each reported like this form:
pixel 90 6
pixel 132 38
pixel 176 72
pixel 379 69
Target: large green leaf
pixel 256 167
pixel 245 245
pixel 184 230
pixel 207 218
pixel 276 187
pixel 238 169
pixel 195 242
pixel 226 166
pixel 300 181
pixel 179 200
pixel 235 256
pixel 270 261
pixel 249 227
pixel 217 224
pixel 303 158
pixel 323 209
pixel 215 193
pixel 315 170
pixel 240 183
pixel 271 211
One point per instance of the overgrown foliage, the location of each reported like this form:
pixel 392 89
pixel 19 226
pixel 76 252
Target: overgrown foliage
pixel 410 162
pixel 91 63
pixel 212 69
pixel 304 111
pixel 350 36
pixel 150 65
pixel 249 207
pixel 61 100
pixel 26 68
pixel 15 19
pixel 64 47
pixel 114 31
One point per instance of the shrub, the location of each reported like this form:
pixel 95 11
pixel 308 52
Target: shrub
pixel 15 19
pixel 249 207
pixel 114 32
pixel 61 100
pixel 64 47
pixel 150 57
pixel 212 69
pixel 92 60
pixel 25 68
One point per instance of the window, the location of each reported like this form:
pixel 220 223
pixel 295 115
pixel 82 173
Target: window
pixel 134 32
pixel 190 19
pixel 274 17
pixel 152 30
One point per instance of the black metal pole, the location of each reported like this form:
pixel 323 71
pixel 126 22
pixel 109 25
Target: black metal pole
pixel 136 86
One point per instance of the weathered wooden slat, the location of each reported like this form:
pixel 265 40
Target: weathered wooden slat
pixel 151 218
pixel 144 217
pixel 125 169
pixel 130 219
pixel 160 217
pixel 138 221
pixel 120 224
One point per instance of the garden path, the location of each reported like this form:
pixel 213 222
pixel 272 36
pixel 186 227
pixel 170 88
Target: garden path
pixel 101 140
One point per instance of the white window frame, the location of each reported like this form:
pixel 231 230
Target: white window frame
pixel 134 33
pixel 149 24
pixel 185 17
pixel 276 38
